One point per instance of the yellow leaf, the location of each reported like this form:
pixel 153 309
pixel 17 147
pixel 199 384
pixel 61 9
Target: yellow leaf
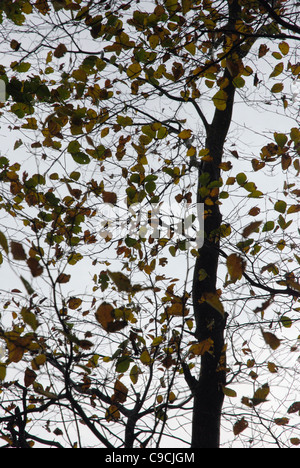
pixel 185 134
pixel 191 48
pixel 220 100
pixel 177 309
pixel 134 70
pixel 145 358
pixel 198 349
pixel 172 397
pixel 213 300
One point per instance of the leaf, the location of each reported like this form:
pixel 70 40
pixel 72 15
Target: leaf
pixel 120 392
pixel 134 374
pixel 109 197
pixel 30 318
pixel 29 377
pixel 277 88
pixel 2 371
pixel 27 285
pixel 112 414
pixel 236 266
pixel 280 206
pixel 60 51
pixel 220 100
pixel 145 358
pixel 281 139
pixel 240 426
pixel 185 134
pixel 104 315
pixel 123 364
pixel 284 48
pixel 213 300
pixel 271 340
pixel 17 251
pixel 198 349
pixel 260 395
pixel 294 408
pixel 134 70
pixel 268 226
pixel 63 278
pixel 252 227
pixel 3 242
pixel 74 303
pixel 281 421
pixel 38 361
pixel 278 69
pixel 229 392
pixel 121 281
pixel 35 268
pixel 177 309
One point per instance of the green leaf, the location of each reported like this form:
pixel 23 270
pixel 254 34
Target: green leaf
pixel 269 226
pixel 3 242
pixel 280 206
pixel 123 364
pixel 241 178
pixel 285 321
pixel 229 392
pixel 81 158
pixel 281 139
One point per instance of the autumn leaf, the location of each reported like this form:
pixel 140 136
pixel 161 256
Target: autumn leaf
pixel 185 134
pixel 271 340
pixel 60 51
pixel 134 70
pixel 120 392
pixel 252 227
pixel 17 251
pixel 214 301
pixel 240 426
pixel 109 197
pixel 236 266
pixel 35 268
pixel 63 278
pixel 145 358
pixel 121 281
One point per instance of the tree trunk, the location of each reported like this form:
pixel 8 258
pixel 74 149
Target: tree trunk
pixel 210 323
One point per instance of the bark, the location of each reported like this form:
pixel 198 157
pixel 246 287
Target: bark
pixel 208 391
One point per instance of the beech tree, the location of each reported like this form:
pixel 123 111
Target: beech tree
pixel 149 240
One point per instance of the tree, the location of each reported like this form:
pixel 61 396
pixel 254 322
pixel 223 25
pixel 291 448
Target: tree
pixel 123 116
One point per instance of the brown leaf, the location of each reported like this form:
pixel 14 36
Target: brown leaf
pixel 120 392
pixel 34 266
pixel 17 251
pixel 236 266
pixel 271 340
pixel 63 278
pixel 252 227
pixel 240 426
pixel 294 408
pixel 29 377
pixel 109 197
pixel 60 51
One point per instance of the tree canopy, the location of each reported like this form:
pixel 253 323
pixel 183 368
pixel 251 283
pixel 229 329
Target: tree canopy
pixel 149 216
